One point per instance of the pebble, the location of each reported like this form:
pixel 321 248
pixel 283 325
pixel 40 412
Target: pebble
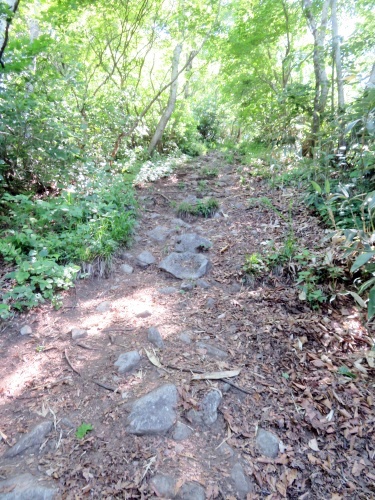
pixel 104 306
pixel 78 333
pixel 185 337
pixel 33 438
pixel 267 443
pixel 127 361
pixel 159 234
pixel 125 268
pixel 191 491
pixel 155 337
pixel 203 284
pixel 187 286
pixel 164 485
pixel 143 314
pixel 241 482
pixel 210 303
pixel 209 407
pixel 145 259
pixel 26 330
pixel 185 265
pixel 212 351
pixel 181 432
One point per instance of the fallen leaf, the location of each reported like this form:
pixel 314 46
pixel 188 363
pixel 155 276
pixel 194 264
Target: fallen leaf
pixel 370 358
pixel 215 375
pixel 313 444
pixel 154 360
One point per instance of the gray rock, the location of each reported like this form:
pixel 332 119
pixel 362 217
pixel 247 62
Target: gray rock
pixel 33 438
pixel 127 361
pixel 155 412
pixel 203 284
pixel 190 199
pixel 209 407
pixel 241 482
pixel 185 337
pixel 77 333
pixel 210 303
pixel 125 256
pixel 177 223
pixel 191 491
pixel 267 443
pixel 186 286
pixel 155 338
pixel 145 259
pixel 225 450
pixel 192 242
pixel 125 268
pixel 194 416
pixel 164 485
pixel 186 265
pixel 26 330
pixel 168 290
pixel 154 215
pixel 143 314
pixel 212 351
pixel 26 487
pixel 160 234
pixel 181 432
pixel 104 306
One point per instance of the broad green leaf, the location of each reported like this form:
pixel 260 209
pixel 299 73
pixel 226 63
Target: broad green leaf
pixel 371 304
pixel 83 429
pixel 351 125
pixel 361 260
pixel 327 186
pixel 316 186
pixel 366 285
pixel 344 370
pixel 358 299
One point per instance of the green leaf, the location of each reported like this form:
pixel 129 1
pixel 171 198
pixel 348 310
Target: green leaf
pixel 371 304
pixel 327 186
pixel 344 370
pixel 83 429
pixel 358 299
pixel 361 260
pixel 316 186
pixel 285 375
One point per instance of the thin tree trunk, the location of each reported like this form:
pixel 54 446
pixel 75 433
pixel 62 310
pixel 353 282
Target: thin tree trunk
pixel 171 101
pixel 337 57
pixel 5 22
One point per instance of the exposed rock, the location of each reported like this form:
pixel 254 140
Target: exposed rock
pixel 186 286
pixel 267 443
pixel 125 256
pixel 127 361
pixel 194 416
pixel 168 290
pixel 164 485
pixel 160 233
pixel 125 268
pixel 143 314
pixel 33 438
pixel 155 338
pixel 209 407
pixel 155 412
pixel 177 223
pixel 185 265
pixel 203 284
pixel 77 333
pixel 181 432
pixel 26 487
pixel 212 351
pixel 191 199
pixel 192 242
pixel 104 306
pixel 26 330
pixel 185 337
pixel 241 482
pixel 145 259
pixel 191 491
pixel 225 450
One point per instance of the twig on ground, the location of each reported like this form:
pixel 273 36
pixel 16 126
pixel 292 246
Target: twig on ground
pixel 70 364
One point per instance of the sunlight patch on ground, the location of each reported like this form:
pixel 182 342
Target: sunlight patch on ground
pixel 29 369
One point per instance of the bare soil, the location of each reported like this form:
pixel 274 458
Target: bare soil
pixel 289 357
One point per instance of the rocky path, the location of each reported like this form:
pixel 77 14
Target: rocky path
pixel 195 384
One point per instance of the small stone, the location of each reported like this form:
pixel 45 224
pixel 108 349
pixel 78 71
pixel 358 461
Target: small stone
pixel 225 387
pixel 159 234
pixel 26 330
pixel 154 215
pixel 191 491
pixel 181 432
pixel 154 413
pixel 235 287
pixel 203 284
pixel 164 485
pixel 225 450
pixel 26 487
pixel 186 286
pixel 155 338
pixel 143 314
pixel 78 334
pixel 212 351
pixel 192 242
pixel 209 407
pixel 127 361
pixel 33 438
pixel 241 482
pixel 185 265
pixel 210 303
pixel 177 223
pixel 125 256
pixel 125 268
pixel 194 416
pixel 145 259
pixel 104 306
pixel 185 337
pixel 168 290
pixel 268 443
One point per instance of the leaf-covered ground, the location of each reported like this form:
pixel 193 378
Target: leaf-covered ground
pixel 306 375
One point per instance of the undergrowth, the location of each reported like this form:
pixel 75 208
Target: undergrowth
pixel 204 208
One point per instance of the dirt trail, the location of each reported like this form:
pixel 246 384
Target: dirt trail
pixel 287 426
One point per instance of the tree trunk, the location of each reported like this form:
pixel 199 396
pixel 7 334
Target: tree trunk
pixel 5 22
pixel 337 58
pixel 321 79
pixel 171 101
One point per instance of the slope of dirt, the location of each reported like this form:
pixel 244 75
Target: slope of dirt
pixel 289 357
